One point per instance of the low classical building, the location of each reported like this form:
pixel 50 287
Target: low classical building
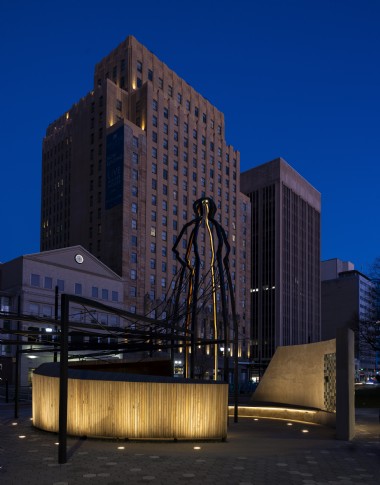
pixel 32 284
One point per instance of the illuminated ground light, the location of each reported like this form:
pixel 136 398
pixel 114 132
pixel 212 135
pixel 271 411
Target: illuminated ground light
pixel 22 436
pixel 289 424
pixel 305 431
pixel 255 419
pixel 197 447
pixel 121 447
pixel 56 444
pixel 14 424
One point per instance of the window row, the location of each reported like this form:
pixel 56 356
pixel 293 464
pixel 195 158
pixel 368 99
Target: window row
pixel 46 282
pixel 188 107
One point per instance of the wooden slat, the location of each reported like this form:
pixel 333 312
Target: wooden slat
pixel 146 410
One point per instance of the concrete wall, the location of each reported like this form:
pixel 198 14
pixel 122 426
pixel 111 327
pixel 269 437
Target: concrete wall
pixel 296 375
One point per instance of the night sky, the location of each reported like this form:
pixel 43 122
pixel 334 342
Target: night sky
pixel 294 78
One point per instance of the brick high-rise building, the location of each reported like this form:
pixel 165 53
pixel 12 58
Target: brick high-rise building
pixel 123 166
pixel 285 258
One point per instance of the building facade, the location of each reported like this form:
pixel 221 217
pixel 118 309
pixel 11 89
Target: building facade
pixel 285 258
pixel 29 285
pixel 122 168
pixel 349 300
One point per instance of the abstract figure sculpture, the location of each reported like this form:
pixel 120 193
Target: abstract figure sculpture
pixel 216 279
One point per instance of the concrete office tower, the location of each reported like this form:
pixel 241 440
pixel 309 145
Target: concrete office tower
pixel 285 258
pixel 348 297
pixel 123 166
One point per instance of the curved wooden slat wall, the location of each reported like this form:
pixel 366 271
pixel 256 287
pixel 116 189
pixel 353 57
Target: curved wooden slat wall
pixel 134 410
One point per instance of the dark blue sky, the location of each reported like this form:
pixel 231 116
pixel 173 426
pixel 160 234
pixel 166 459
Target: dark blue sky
pixel 295 78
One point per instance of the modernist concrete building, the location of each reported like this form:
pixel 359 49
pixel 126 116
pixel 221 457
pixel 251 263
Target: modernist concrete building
pixel 122 168
pixel 285 258
pixel 28 286
pixel 348 298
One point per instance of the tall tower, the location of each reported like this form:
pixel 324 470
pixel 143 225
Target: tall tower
pixel 285 258
pixel 123 166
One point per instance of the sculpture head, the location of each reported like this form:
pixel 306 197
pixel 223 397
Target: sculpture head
pixel 203 206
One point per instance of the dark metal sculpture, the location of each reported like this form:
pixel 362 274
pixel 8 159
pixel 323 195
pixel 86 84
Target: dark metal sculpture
pixel 217 277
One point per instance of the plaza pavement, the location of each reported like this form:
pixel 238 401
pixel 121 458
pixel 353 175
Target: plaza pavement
pixel 256 452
